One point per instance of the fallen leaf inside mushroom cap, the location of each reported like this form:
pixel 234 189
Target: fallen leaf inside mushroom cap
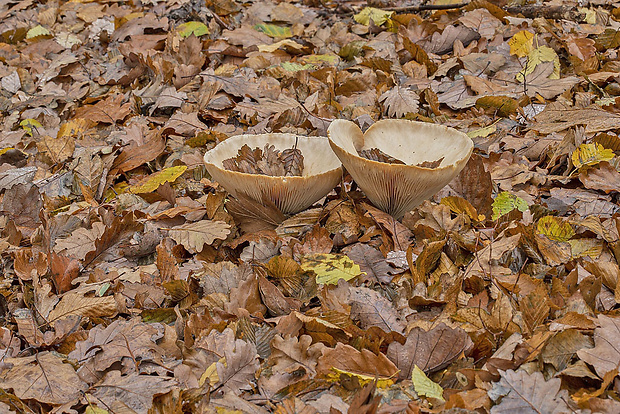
pixel 430 164
pixel 269 161
pixel 375 154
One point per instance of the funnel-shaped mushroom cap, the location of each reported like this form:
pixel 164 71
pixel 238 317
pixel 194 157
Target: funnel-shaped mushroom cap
pixel 322 171
pixel 397 188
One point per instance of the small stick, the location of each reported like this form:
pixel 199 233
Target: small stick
pixel 423 7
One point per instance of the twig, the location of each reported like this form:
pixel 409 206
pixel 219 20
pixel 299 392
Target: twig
pixel 423 7
pixel 218 19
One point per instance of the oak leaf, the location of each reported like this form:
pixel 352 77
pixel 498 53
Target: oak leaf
pixel 399 101
pixel 194 236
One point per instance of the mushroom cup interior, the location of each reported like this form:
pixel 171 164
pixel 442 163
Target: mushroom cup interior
pixel 291 194
pixel 397 188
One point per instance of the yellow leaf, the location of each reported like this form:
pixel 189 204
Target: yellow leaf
pixel 505 202
pixel 378 16
pixel 273 30
pixel 483 132
pixel 318 59
pixel 586 247
pixel 282 43
pixel 37 31
pixel 74 128
pixel 193 28
pixel 590 15
pixel 503 105
pixel 29 124
pixel 591 154
pixel 153 181
pixel 363 379
pixel 424 385
pixel 521 43
pixel 118 188
pixel 330 268
pixel 211 373
pixel 460 205
pixel 555 228
pixel 295 67
pixel 93 409
pixel 538 56
pixel 4 150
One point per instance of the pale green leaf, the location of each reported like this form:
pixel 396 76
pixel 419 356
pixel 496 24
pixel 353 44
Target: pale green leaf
pixel 505 202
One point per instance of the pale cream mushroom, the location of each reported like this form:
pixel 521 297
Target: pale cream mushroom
pixel 396 188
pixel 322 171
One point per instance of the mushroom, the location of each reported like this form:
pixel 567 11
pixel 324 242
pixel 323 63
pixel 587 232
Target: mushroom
pixel 322 171
pixel 394 188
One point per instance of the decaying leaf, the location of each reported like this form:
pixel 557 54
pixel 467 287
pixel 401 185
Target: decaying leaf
pixel 333 267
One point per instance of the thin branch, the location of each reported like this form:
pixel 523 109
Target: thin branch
pixel 423 7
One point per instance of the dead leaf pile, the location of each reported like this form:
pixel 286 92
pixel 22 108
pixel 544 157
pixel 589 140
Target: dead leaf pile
pixel 131 281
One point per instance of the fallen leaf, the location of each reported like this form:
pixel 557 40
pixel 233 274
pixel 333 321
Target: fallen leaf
pixel 399 102
pixel 605 355
pixel 194 236
pixel 370 308
pixel 134 392
pixel 366 366
pixel 425 386
pixel 605 178
pixel 525 392
pixel 43 377
pixel 591 154
pixel 153 181
pixel 377 16
pixel 506 202
pixel 329 268
pixel 430 350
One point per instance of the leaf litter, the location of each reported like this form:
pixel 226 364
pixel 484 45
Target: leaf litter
pixel 132 282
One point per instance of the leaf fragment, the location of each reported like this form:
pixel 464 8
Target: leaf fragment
pixel 521 43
